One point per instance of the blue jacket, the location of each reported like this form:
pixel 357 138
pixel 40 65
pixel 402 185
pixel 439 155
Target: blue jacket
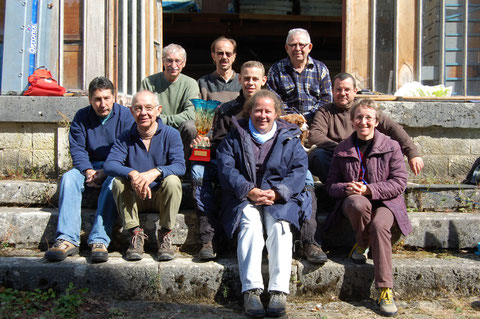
pixel 90 141
pixel 129 153
pixel 285 172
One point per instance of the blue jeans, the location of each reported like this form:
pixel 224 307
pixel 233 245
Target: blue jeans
pixel 204 181
pixel 319 163
pixel 69 225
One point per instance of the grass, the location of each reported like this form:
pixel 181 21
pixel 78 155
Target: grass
pixel 41 303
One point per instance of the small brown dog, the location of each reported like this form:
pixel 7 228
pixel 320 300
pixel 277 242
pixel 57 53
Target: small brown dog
pixel 300 121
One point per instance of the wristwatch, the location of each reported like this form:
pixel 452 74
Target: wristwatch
pixel 161 172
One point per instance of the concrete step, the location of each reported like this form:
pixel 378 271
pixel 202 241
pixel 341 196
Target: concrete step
pixel 428 197
pixel 35 227
pixel 184 278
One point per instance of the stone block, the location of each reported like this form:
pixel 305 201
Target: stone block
pixel 475 146
pixel 44 160
pixel 64 160
pixel 436 167
pixel 44 137
pixel 459 165
pixel 15 136
pixel 442 146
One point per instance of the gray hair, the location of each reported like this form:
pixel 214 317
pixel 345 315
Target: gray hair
pixel 292 32
pixel 155 97
pixel 172 48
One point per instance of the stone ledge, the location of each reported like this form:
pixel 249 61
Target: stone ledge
pixel 35 228
pixel 187 279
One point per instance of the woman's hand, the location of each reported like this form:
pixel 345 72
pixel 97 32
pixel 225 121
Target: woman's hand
pixel 262 197
pixel 357 188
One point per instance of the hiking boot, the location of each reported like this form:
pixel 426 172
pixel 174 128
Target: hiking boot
pixel 252 304
pixel 386 303
pixel 359 254
pixel 165 248
pixel 60 250
pixel 314 253
pixel 206 253
pixel 277 306
pixel 99 253
pixel 135 251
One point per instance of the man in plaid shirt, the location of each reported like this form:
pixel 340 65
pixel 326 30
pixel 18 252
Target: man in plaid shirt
pixel 302 83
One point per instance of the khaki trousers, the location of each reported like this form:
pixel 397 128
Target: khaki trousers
pixel 372 226
pixel 165 201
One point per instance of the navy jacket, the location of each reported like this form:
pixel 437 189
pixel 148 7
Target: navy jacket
pixel 129 153
pixel 285 172
pixel 90 141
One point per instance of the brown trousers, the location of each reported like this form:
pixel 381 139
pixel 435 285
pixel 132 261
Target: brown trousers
pixel 372 225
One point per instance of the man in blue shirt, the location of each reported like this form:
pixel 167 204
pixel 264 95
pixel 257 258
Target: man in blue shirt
pixel 93 131
pixel 147 160
pixel 302 83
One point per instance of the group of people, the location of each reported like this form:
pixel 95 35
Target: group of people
pixel 137 154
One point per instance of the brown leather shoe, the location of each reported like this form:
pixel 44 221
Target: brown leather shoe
pixel 207 253
pixel 60 250
pixel 314 253
pixel 165 247
pixel 137 241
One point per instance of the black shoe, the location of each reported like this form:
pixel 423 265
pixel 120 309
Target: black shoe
pixel 277 307
pixel 314 253
pixel 60 250
pixel 207 253
pixel 252 304
pixel 137 241
pixel 99 253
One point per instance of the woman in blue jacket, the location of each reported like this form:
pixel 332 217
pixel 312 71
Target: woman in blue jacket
pixel 262 168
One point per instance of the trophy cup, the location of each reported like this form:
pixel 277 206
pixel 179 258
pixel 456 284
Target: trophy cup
pixel 204 113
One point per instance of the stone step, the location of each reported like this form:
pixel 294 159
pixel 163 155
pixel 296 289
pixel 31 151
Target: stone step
pixel 418 197
pixel 188 279
pixel 35 227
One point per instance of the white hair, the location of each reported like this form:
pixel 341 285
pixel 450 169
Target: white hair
pixel 171 48
pixel 292 32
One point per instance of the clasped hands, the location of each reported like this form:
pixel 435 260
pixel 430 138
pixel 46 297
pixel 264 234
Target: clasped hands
pixel 94 178
pixel 140 182
pixel 202 140
pixel 262 197
pixel 357 188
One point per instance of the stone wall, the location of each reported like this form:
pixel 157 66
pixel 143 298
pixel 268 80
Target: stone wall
pixel 34 134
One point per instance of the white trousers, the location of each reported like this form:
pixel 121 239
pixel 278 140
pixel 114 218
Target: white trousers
pixel 250 247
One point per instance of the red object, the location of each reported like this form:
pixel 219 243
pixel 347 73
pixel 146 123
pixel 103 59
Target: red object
pixel 199 154
pixel 43 84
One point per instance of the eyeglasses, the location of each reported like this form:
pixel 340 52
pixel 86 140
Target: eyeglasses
pixel 301 46
pixel 228 54
pixel 171 61
pixel 360 118
pixel 147 108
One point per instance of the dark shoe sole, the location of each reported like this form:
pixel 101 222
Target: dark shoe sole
pixel 133 256
pixel 99 257
pixel 256 314
pixel 204 256
pixel 359 261
pixel 276 313
pixel 165 257
pixel 58 256
pixel 317 261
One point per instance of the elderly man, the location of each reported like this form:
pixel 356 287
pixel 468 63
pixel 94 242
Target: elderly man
pixel 302 82
pixel 147 160
pixel 174 91
pixel 222 84
pixel 332 124
pixel 93 131
pixel 204 176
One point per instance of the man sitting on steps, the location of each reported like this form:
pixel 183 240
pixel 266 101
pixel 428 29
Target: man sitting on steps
pixel 92 133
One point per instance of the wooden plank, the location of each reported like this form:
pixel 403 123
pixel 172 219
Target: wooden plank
pixel 94 40
pixel 73 26
pixel 406 17
pixel 2 19
pixel 357 41
pixel 72 62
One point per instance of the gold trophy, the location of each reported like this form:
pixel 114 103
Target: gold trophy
pixel 204 113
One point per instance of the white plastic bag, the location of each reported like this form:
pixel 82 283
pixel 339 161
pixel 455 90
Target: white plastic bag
pixel 417 89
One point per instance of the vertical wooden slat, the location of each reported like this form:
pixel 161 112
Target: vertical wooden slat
pixel 151 39
pixel 373 14
pixel 406 45
pixel 124 46
pixel 133 58
pixel 465 50
pixel 60 41
pixel 94 40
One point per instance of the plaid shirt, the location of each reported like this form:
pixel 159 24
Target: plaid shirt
pixel 304 92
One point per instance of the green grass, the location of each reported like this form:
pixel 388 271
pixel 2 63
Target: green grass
pixel 41 303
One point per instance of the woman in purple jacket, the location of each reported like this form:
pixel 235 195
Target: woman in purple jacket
pixel 368 178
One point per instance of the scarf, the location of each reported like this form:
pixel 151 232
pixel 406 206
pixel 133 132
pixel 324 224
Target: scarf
pixel 259 137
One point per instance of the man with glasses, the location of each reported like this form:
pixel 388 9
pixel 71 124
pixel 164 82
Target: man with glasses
pixel 302 83
pixel 332 124
pixel 222 84
pixel 93 131
pixel 147 160
pixel 174 91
